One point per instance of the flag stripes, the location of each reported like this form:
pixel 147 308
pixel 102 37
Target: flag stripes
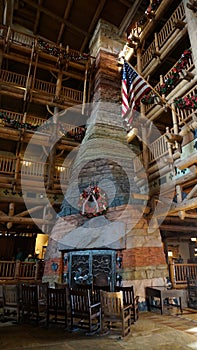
pixel 134 87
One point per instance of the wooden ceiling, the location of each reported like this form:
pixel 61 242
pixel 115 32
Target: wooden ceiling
pixel 72 22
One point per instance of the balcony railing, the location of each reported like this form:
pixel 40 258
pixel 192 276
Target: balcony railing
pixel 32 169
pixel 12 78
pixel 12 36
pixel 20 270
pixel 187 67
pixel 179 273
pixel 185 115
pixel 19 81
pixel 157 150
pixel 164 34
pixel 7 165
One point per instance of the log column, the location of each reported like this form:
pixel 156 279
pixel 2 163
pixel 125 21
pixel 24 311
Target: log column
pixel 191 25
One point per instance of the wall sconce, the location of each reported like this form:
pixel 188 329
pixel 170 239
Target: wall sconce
pixel 26 163
pixel 54 266
pixel 119 280
pixel 170 254
pixel 119 261
pixel 60 168
pixel 193 239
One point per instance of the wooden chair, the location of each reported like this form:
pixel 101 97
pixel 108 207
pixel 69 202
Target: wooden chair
pixel 130 299
pixel 84 313
pixel 11 301
pixel 94 294
pixel 115 316
pixel 33 302
pixel 56 306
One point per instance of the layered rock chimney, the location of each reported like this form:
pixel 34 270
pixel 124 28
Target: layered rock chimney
pixel 105 161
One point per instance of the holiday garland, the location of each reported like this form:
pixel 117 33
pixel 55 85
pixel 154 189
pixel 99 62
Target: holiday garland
pixel 172 80
pixel 186 102
pixel 61 52
pixel 93 202
pixel 76 135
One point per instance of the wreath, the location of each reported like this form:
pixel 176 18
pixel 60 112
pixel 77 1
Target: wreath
pixel 93 202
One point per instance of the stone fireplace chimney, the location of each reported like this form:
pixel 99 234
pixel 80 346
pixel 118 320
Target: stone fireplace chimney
pixel 99 212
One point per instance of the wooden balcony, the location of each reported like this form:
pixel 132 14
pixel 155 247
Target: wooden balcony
pixel 188 67
pixel 21 270
pixel 179 273
pixel 31 170
pixel 15 84
pixel 161 42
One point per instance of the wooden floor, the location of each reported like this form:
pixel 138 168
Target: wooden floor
pixel 152 332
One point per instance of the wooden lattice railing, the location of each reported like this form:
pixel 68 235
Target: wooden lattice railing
pixel 13 78
pixel 19 81
pixel 185 115
pixel 164 34
pixel 21 270
pixel 179 273
pixel 7 165
pixel 156 150
pixel 188 67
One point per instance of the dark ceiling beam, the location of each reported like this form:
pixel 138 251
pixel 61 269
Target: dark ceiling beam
pixel 129 16
pixel 93 23
pixel 178 228
pixel 55 17
pixel 36 24
pixel 66 13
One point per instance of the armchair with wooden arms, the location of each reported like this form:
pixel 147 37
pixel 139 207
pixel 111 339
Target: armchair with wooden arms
pixel 129 298
pixel 115 317
pixel 84 312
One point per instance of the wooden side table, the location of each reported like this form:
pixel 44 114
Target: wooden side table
pixel 163 293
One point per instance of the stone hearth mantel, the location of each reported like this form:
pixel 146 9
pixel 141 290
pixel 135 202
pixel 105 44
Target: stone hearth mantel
pixel 96 233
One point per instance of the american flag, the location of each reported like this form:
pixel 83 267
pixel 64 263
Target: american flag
pixel 134 88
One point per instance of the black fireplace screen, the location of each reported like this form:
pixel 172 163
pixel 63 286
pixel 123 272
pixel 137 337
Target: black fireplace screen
pixel 84 267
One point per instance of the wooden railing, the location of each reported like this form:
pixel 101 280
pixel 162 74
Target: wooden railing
pixel 45 87
pixel 12 78
pixel 188 67
pixel 12 36
pixel 170 25
pixel 157 150
pixel 19 81
pixel 186 114
pixel 38 121
pixel 7 165
pixel 21 270
pixel 33 168
pixel 164 34
pixel 179 273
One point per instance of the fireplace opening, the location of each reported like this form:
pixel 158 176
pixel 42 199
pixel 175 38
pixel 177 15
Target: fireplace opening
pixel 95 267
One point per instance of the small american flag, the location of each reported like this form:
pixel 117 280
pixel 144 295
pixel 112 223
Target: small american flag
pixel 134 88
